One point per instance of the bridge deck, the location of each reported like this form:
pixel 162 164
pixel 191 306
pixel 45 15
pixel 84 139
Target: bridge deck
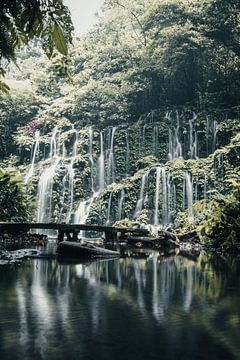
pixel 71 227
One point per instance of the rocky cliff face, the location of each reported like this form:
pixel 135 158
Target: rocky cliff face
pixel 149 170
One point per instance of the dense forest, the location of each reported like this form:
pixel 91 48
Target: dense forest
pixel 136 122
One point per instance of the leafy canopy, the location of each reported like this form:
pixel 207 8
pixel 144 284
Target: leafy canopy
pixel 24 20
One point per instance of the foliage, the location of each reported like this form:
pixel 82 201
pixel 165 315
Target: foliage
pixel 15 203
pixel 15 110
pixel 223 225
pixel 217 220
pixel 148 54
pixel 144 55
pixel 24 20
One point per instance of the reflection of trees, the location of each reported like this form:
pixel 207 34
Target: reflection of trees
pixel 170 288
pixel 77 300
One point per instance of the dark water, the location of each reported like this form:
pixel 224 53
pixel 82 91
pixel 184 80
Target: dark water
pixel 129 308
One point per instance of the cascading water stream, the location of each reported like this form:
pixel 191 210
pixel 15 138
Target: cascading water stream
pixel 103 171
pixel 175 147
pixel 45 187
pixel 165 196
pixel 91 157
pixel 34 156
pixel 120 204
pixel 82 212
pixel 111 162
pixel 140 202
pixel 68 187
pixel 101 166
pixel 109 209
pixel 214 136
pixel 75 144
pixel 211 135
pixel 53 144
pixel 70 178
pixel 189 193
pixel 45 184
pixel 192 139
pixel 158 175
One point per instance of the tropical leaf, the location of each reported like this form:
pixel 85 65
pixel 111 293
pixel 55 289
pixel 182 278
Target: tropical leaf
pixel 59 39
pixel 4 87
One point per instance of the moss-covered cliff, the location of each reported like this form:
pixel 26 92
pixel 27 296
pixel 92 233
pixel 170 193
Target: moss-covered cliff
pixel 149 170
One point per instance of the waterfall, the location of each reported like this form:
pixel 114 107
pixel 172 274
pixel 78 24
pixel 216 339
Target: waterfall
pixel 166 196
pixel 120 204
pixel 140 202
pixel 81 215
pixel 45 184
pixel 188 185
pixel 45 187
pixel 34 156
pixel 111 163
pixel 207 134
pixel 211 135
pixel 70 177
pixel 214 136
pixel 75 144
pixel 64 191
pixel 175 147
pixel 168 192
pixel 64 151
pixel 109 209
pixel 90 152
pixel 54 148
pixel 170 145
pixel 158 174
pixel 174 201
pixel 101 166
pixel 192 139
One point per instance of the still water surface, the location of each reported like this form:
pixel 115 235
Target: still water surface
pixel 140 307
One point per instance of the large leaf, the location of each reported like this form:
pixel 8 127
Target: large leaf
pixel 59 39
pixel 4 87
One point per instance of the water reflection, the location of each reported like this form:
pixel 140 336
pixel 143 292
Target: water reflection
pixel 143 304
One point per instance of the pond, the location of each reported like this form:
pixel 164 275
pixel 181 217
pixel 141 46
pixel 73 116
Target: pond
pixel 141 306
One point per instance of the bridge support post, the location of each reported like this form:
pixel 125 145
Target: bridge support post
pixel 60 235
pixel 111 236
pixel 75 235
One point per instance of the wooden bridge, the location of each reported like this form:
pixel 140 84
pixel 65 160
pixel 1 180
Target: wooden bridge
pixel 72 230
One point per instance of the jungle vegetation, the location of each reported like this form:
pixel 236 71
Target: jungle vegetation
pixel 141 55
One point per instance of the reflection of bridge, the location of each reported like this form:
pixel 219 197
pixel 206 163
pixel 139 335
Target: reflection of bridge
pixel 72 230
